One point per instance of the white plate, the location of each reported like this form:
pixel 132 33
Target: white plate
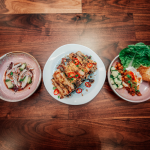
pixel 55 59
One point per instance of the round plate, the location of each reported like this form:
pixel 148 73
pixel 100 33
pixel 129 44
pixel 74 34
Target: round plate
pixel 123 93
pixel 15 57
pixel 55 59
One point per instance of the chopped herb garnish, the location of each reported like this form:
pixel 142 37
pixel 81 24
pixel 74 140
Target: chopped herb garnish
pixel 124 69
pixel 128 76
pixel 129 81
pixel 58 96
pixel 22 79
pixel 54 88
pixel 82 70
pixel 77 65
pixel 76 75
pixel 11 73
pixel 7 80
pixel 68 66
pixel 85 57
pixel 72 79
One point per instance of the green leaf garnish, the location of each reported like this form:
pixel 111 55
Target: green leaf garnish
pixel 54 88
pixel 77 65
pixel 76 75
pixel 58 96
pixel 128 76
pixel 82 70
pixel 124 69
pixel 11 73
pixel 72 79
pixel 129 81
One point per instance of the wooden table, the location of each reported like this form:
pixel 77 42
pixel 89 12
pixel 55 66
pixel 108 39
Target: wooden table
pixel 42 123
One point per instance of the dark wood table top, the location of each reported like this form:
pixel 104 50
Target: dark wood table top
pixel 105 123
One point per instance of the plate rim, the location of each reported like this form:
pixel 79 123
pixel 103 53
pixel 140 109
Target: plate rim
pixel 108 77
pixel 81 51
pixel 5 55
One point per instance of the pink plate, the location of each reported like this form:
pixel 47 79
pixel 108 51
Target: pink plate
pixel 15 57
pixel 144 88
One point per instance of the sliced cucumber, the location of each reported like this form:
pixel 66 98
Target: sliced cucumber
pixel 120 87
pixel 111 81
pixel 115 78
pixel 118 82
pixel 7 80
pixel 114 86
pixel 9 84
pixel 21 80
pixel 22 67
pixel 115 73
pixel 112 68
pixel 119 77
pixel 29 80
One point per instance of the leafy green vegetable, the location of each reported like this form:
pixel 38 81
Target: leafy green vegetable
pixel 135 55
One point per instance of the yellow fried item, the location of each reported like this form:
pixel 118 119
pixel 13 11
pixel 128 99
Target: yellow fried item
pixel 145 73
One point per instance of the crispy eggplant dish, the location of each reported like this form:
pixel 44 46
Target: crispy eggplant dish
pixel 71 73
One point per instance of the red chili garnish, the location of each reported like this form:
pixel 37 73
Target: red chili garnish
pixel 90 65
pixel 56 92
pixel 76 61
pixel 132 74
pixel 71 74
pixel 79 90
pixel 87 84
pixel 77 75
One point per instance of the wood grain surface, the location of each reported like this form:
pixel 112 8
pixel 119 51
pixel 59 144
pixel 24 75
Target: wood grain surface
pixel 127 6
pixel 40 6
pixel 107 122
